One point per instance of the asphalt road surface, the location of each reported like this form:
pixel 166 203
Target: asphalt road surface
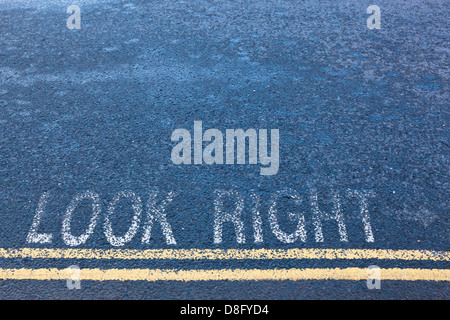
pixel 87 171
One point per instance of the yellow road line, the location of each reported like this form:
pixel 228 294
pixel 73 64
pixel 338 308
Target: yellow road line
pixel 225 254
pixel 225 274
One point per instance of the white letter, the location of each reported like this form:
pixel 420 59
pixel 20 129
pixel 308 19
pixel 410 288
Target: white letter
pixel 221 217
pixel 157 213
pixel 240 142
pixel 73 282
pixel 363 197
pixel 74 21
pixel 374 21
pixel 216 146
pixel 184 146
pixel 198 142
pixel 257 223
pixel 137 209
pixel 281 235
pixel 320 215
pixel 274 159
pixel 68 238
pixel 33 236
pixel 374 281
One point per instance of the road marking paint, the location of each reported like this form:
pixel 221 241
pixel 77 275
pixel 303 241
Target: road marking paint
pixel 33 235
pixel 225 254
pixel 300 231
pixel 363 199
pixel 235 217
pixel 70 239
pixel 156 213
pixel 137 212
pixel 226 274
pixel 320 215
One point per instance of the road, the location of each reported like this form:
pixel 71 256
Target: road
pixel 87 170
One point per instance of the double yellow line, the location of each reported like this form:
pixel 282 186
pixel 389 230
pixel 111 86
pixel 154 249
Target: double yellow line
pixel 226 274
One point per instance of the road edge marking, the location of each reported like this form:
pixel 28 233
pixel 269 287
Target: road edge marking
pixel 224 254
pixel 152 275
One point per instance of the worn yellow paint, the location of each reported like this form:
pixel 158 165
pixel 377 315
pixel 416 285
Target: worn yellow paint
pixel 225 254
pixel 225 274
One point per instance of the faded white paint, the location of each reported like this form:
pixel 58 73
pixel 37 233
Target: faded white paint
pixel 300 231
pixel 235 217
pixel 363 197
pixel 157 213
pixel 319 216
pixel 257 221
pixel 137 210
pixel 67 236
pixel 33 235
